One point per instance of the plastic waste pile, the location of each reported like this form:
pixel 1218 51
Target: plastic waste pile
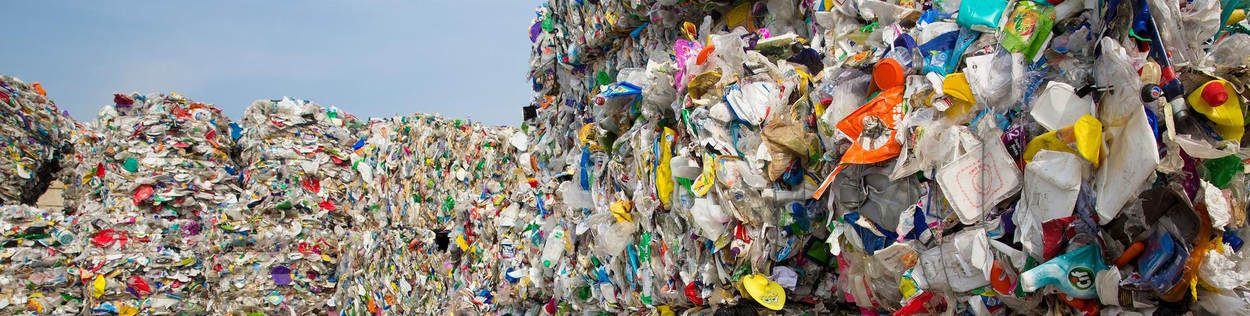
pixel 35 134
pixel 37 245
pixel 659 222
pixel 154 171
pixel 279 252
pixel 973 157
pixel 174 209
pixel 437 188
pixel 970 157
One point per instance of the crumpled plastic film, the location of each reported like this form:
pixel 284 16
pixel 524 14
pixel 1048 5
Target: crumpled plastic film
pixel 35 135
pixel 279 251
pixel 154 172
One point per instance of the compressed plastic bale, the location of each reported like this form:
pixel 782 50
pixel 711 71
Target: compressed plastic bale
pixel 282 249
pixel 734 136
pixel 36 134
pixel 37 245
pixel 156 172
pixel 707 127
pixel 442 210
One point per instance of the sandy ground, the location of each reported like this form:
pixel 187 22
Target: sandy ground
pixel 51 200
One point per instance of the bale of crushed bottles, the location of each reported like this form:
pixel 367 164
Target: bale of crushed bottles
pixel 38 244
pixel 280 252
pixel 155 171
pixel 983 156
pixel 429 247
pixel 35 135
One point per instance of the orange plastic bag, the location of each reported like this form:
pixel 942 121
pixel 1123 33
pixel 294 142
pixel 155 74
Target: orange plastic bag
pixel 872 128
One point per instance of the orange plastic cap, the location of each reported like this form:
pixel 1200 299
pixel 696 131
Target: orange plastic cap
pixel 888 73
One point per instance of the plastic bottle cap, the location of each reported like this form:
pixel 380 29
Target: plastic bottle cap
pixel 1214 94
pixel 1151 92
pixel 887 74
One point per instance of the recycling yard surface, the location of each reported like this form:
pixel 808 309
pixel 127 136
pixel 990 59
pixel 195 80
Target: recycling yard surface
pixel 815 157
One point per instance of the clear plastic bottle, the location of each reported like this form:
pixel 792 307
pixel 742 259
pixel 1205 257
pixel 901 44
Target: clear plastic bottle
pixel 554 248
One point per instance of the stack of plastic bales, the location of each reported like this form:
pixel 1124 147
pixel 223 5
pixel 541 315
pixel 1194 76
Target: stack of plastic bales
pixel 438 185
pixel 979 157
pixel 34 134
pixel 34 275
pixel 983 156
pixel 37 245
pixel 156 174
pixel 281 253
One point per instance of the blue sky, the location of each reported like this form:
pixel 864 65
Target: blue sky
pixel 371 58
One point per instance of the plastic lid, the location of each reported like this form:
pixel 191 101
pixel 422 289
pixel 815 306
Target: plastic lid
pixel 765 291
pixel 888 73
pixel 956 86
pixel 1214 94
pixel 1221 107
